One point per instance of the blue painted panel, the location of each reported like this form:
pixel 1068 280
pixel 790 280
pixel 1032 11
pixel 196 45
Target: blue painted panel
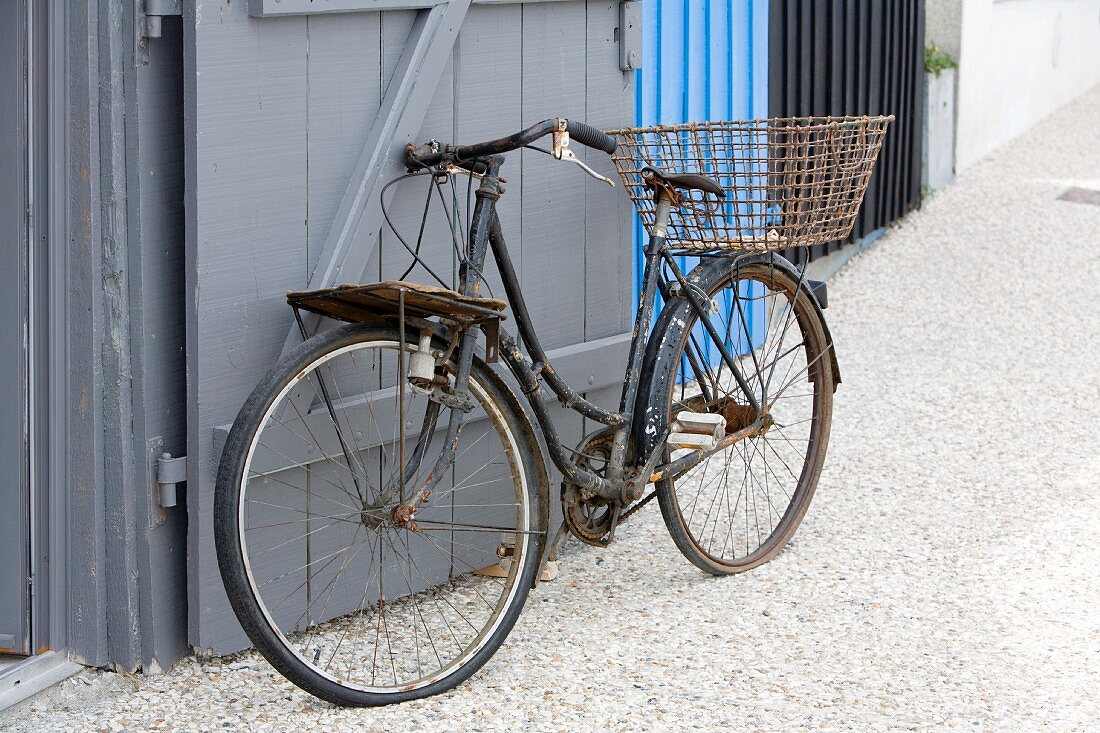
pixel 702 60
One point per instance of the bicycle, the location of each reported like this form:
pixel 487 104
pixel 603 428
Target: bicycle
pixel 383 498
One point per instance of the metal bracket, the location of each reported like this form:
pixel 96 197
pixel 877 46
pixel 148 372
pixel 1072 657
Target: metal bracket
pixel 170 471
pixel 147 24
pixel 630 35
pixel 491 328
pixel 820 290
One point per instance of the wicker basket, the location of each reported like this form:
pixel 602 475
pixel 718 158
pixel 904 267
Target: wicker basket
pixel 789 182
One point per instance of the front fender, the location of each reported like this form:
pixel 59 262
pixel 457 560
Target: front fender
pixel 649 422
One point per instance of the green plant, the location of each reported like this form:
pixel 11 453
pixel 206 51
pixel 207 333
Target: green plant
pixel 936 60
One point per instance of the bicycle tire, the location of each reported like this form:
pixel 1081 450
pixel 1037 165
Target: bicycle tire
pixel 676 329
pixel 257 620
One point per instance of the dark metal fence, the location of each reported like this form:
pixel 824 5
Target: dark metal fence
pixel 851 57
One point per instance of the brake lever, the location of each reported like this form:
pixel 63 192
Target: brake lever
pixel 562 152
pixel 453 169
pixel 568 155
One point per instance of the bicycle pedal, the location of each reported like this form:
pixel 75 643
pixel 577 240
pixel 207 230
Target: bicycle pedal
pixel 694 441
pixel 696 430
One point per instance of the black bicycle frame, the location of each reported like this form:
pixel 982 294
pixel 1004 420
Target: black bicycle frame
pixel 485 232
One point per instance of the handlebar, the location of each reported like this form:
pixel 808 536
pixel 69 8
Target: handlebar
pixel 590 137
pixel 432 155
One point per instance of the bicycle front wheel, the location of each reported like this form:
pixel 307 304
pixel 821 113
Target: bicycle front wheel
pixel 347 596
pixel 741 505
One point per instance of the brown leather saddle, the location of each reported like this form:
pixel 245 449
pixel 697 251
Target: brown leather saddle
pixel 656 178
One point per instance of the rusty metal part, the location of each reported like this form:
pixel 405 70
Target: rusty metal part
pixel 361 303
pixel 635 507
pixel 634 486
pixel 453 169
pixel 660 187
pixel 403 515
pixel 351 302
pixel 738 415
pixel 589 517
pixel 600 532
pixel 789 182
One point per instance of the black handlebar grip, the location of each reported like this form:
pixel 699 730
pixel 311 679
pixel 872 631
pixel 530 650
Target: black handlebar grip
pixel 590 137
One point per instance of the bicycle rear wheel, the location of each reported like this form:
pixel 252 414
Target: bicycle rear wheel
pixel 346 597
pixel 741 505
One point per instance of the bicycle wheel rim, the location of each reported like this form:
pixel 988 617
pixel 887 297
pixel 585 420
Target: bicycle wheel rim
pixel 498 620
pixel 756 492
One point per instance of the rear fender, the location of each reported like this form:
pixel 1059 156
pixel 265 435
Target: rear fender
pixel 536 466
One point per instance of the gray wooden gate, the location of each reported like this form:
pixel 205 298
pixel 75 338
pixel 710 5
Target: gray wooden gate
pixel 14 489
pixel 294 121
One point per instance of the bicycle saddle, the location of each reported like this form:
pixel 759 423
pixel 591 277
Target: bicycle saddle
pixel 688 181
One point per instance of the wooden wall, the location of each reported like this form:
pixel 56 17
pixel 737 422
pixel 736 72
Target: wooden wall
pixel 277 111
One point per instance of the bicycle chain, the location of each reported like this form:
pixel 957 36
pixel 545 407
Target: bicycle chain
pixel 637 505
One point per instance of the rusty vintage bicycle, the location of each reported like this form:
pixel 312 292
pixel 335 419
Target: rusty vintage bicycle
pixel 383 499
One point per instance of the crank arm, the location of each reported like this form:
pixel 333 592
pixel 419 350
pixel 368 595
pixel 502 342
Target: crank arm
pixel 634 488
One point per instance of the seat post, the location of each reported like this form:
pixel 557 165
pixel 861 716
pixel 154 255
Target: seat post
pixel 664 209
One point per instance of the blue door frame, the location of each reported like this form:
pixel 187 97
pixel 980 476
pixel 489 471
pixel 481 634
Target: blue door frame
pixel 703 60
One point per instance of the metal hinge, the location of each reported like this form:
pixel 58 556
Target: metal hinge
pixel 170 471
pixel 147 24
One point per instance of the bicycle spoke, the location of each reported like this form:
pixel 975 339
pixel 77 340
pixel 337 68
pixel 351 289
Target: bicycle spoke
pixel 267 476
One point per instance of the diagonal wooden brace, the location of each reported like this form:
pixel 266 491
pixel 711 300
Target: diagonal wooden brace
pixel 355 228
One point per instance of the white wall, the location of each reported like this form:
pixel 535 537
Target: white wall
pixel 1019 61
pixel 943 24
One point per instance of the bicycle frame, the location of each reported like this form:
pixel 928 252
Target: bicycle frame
pixel 486 233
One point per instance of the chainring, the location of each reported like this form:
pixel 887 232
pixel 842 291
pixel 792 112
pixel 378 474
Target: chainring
pixel 589 519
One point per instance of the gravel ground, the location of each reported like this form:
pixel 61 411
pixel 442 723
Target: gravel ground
pixel 946 577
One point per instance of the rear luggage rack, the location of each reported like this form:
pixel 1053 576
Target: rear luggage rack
pixel 394 298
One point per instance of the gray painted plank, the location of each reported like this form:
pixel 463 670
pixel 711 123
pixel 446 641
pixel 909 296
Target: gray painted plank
pixel 406 208
pixel 489 91
pixel 116 399
pixel 597 364
pixel 158 328
pixel 86 584
pixel 553 192
pixel 552 265
pixel 247 247
pixel 344 95
pixel 14 496
pixel 608 255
